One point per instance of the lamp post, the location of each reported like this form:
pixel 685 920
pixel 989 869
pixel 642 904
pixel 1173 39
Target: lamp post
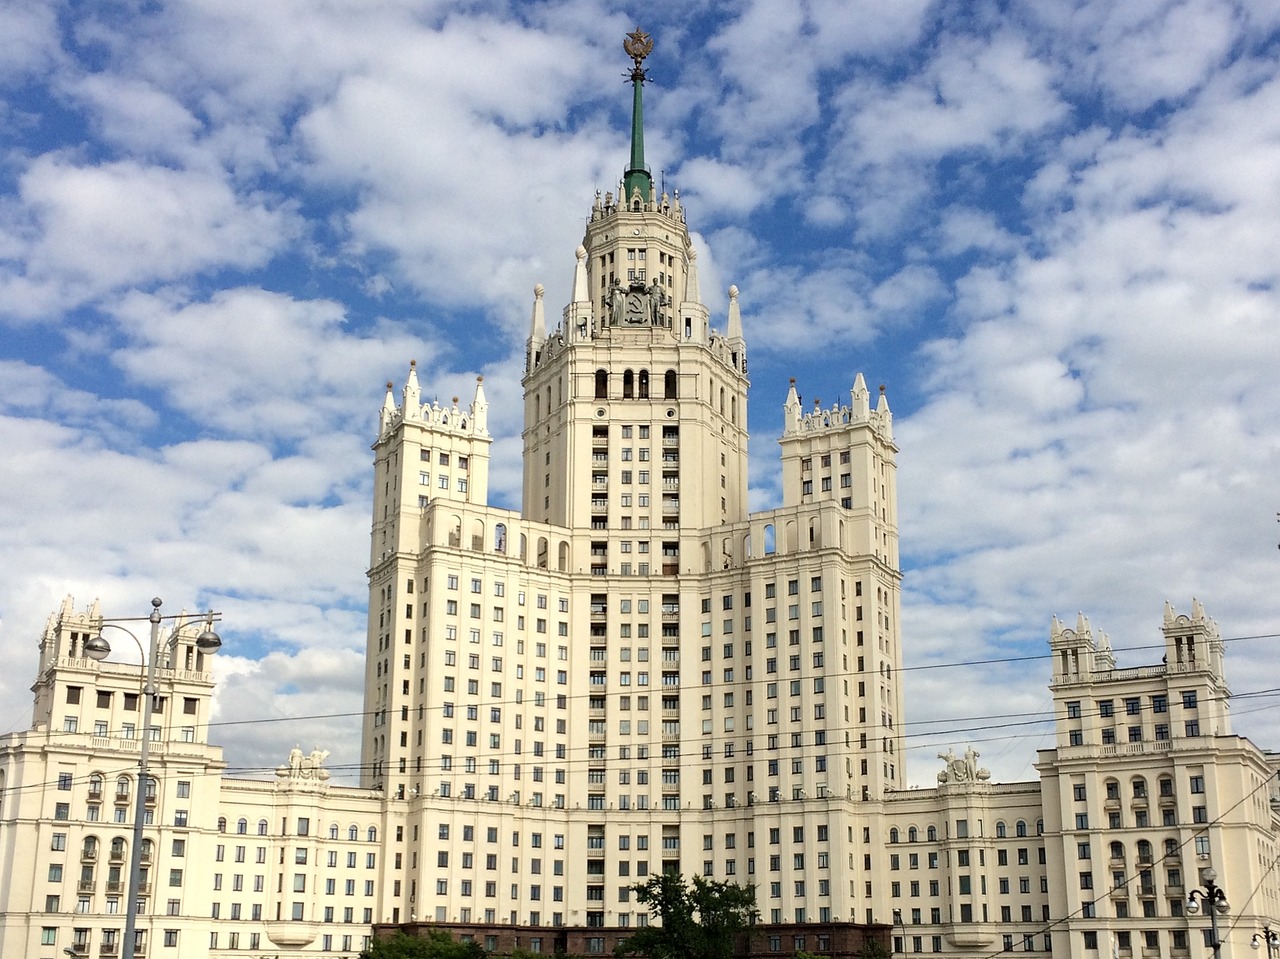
pixel 97 648
pixel 1268 936
pixel 1213 898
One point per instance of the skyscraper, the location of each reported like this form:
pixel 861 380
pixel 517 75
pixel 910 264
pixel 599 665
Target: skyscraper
pixel 634 662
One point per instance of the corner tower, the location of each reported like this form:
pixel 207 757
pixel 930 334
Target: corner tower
pixel 634 392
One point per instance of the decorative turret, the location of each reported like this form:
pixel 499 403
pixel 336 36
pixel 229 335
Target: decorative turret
pixel 1192 642
pixel 1072 650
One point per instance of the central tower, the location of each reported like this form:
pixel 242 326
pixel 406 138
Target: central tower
pixel 634 391
pixel 633 669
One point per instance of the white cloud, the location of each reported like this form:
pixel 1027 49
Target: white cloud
pixel 257 363
pixel 29 41
pixel 90 229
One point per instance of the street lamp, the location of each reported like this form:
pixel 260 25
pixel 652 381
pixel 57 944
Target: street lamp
pixel 97 648
pixel 1214 900
pixel 1268 936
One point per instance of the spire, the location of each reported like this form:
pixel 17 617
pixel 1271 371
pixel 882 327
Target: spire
pixel 638 45
pixel 581 294
pixel 735 315
pixel 412 391
pixel 480 410
pixel 692 293
pixel 860 398
pixel 388 411
pixel 791 409
pixel 538 322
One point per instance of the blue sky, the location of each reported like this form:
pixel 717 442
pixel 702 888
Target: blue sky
pixel 1048 228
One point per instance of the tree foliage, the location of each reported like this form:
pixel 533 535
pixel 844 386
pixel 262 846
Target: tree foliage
pixel 873 949
pixel 435 944
pixel 699 920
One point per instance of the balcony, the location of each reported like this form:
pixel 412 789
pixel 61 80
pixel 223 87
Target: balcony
pixel 86 885
pixel 110 949
pixel 122 796
pixel 116 855
pixel 88 855
pixel 116 886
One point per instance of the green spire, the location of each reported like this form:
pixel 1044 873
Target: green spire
pixel 638 45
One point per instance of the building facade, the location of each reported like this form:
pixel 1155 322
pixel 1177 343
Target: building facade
pixel 631 674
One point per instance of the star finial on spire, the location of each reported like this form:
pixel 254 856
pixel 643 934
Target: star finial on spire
pixel 638 45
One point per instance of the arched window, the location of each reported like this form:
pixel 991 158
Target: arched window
pixel 602 384
pixel 123 787
pixel 500 538
pixel 152 787
pixel 90 849
pixel 1039 827
pixel 147 846
pixel 1117 850
pixel 353 833
pixel 1166 786
pixel 912 834
pixel 644 384
pixel 1139 788
pixel 222 824
pixel 669 385
pixel 95 785
pixel 262 827
pixel 242 826
pixel 117 847
pixel 372 835
pixel 628 385
pixel 1144 851
pixel 1020 829
pixel 333 831
pixel 1000 831
pixel 931 834
pixel 893 834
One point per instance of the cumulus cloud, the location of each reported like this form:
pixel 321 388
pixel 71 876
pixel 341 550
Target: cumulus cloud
pixel 88 229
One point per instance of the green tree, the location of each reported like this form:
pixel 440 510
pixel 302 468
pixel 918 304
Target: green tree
pixel 435 944
pixel 873 949
pixel 699 920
